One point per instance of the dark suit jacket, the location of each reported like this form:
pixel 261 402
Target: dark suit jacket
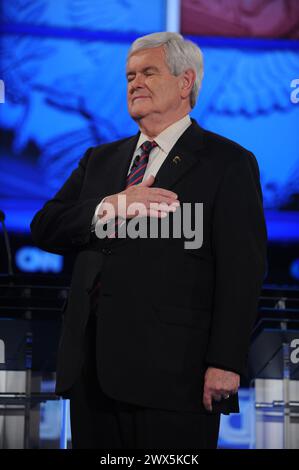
pixel 165 312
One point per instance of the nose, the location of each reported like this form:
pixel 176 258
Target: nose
pixel 137 82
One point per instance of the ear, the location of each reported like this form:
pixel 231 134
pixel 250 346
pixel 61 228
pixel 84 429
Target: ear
pixel 187 82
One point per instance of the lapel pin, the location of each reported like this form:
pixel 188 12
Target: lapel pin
pixel 176 159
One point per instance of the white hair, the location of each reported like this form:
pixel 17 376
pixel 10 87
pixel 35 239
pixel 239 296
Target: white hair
pixel 180 55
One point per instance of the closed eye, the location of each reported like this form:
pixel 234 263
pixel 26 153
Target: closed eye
pixel 147 72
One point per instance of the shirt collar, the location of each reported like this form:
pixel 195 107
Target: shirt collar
pixel 167 138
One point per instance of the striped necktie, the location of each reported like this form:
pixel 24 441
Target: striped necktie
pixel 140 163
pixel 136 174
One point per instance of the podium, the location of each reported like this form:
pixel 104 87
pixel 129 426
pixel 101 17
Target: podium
pixel 30 322
pixel 274 368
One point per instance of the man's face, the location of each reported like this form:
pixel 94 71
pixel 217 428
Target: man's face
pixel 152 90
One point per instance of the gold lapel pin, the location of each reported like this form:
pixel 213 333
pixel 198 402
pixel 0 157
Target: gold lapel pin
pixel 176 159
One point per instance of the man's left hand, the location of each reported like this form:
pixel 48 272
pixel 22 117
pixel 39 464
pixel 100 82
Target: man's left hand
pixel 219 384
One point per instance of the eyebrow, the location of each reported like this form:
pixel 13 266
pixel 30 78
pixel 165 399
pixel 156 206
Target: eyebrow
pixel 146 69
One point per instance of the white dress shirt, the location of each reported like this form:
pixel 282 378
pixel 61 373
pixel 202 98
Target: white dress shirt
pixel 165 140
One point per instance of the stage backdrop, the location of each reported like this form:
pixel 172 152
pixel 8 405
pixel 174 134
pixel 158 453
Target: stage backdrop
pixel 64 90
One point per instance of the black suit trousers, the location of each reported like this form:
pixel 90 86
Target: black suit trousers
pixel 101 422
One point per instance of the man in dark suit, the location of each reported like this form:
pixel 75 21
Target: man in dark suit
pixel 156 334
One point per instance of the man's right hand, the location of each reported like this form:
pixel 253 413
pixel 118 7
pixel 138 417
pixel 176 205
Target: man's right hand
pixel 155 202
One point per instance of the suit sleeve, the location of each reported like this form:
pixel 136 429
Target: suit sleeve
pixel 63 225
pixel 239 241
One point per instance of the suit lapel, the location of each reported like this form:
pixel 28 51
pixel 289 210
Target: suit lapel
pixel 182 157
pixel 119 162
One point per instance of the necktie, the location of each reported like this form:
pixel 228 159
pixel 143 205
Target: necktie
pixel 136 174
pixel 140 163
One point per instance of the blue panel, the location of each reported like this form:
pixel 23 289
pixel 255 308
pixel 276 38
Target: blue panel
pixel 282 226
pixel 112 15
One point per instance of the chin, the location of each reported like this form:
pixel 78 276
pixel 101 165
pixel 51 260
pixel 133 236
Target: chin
pixel 138 112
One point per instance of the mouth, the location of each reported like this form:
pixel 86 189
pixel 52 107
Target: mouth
pixel 139 98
